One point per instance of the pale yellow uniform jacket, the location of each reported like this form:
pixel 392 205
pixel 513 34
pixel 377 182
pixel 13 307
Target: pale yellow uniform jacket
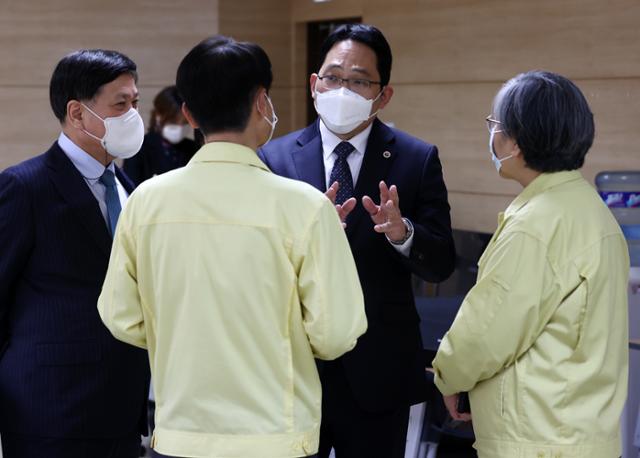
pixel 234 279
pixel 541 340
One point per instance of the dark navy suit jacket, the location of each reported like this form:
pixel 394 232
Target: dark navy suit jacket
pixel 157 156
pixel 386 368
pixel 62 374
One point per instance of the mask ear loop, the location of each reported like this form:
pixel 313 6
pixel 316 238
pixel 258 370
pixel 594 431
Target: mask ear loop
pixel 106 154
pixel 274 117
pixel 374 101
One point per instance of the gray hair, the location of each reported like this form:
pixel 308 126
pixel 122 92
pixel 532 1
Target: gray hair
pixel 549 119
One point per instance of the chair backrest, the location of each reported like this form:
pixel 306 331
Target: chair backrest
pixel 436 316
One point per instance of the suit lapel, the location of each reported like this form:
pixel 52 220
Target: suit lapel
pixel 377 161
pixel 308 158
pixel 75 191
pixel 124 180
pixel 376 164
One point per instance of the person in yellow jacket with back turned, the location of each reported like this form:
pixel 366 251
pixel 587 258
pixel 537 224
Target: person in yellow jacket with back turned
pixel 540 342
pixel 232 277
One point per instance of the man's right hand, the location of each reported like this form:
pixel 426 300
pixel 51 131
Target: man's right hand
pixel 343 209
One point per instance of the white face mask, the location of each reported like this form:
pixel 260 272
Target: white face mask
pixel 343 110
pixel 123 135
pixel 496 162
pixel 174 133
pixel 272 122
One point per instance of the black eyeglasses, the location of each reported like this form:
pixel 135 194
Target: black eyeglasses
pixel 356 84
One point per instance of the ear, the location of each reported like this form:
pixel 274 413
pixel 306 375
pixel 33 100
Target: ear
pixel 260 102
pixel 74 114
pixel 313 79
pixel 189 117
pixel 385 97
pixel 517 152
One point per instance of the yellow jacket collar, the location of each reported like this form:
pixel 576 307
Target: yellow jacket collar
pixel 540 184
pixel 228 152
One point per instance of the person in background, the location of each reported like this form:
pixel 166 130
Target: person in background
pixel 166 145
pixel 389 191
pixel 234 278
pixel 68 389
pixel 540 342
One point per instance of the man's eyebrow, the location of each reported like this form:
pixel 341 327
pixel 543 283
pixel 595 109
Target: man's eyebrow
pixel 360 70
pixel 333 66
pixel 125 95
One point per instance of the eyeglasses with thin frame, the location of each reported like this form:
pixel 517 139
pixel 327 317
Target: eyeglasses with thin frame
pixel 492 124
pixel 355 84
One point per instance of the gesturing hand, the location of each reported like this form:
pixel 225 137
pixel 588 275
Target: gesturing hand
pixel 387 216
pixel 343 209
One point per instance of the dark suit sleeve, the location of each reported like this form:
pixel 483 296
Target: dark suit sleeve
pixel 138 167
pixel 134 168
pixel 432 256
pixel 16 239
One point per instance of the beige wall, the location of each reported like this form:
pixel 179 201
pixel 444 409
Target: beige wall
pixel 449 60
pixel 451 57
pixel 36 34
pixel 267 23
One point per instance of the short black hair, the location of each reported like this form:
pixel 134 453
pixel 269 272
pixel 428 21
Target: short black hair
pixel 369 36
pixel 81 74
pixel 549 119
pixel 218 80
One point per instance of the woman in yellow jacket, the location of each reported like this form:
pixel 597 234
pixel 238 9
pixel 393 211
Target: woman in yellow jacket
pixel 540 342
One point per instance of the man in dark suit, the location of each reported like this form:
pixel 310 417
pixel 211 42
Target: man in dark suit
pixel 68 389
pixel 352 156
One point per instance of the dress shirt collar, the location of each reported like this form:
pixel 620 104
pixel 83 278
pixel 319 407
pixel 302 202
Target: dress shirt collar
pixel 228 152
pixel 540 184
pixel 86 164
pixel 331 140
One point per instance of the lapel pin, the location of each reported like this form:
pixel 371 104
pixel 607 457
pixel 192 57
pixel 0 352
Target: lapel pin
pixel 386 155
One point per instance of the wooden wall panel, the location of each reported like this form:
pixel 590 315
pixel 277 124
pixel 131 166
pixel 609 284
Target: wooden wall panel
pixel 616 107
pixel 308 10
pixel 491 40
pixel 35 35
pixel 450 58
pixel 452 116
pixel 476 212
pixel 299 107
pixel 281 98
pixel 267 23
pixel 27 124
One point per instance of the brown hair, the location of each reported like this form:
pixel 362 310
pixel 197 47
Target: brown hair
pixel 167 105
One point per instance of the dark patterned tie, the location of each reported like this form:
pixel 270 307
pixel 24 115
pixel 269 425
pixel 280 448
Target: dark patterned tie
pixel 342 173
pixel 112 199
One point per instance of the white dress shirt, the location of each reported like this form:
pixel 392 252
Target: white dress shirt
pixel 91 170
pixel 359 142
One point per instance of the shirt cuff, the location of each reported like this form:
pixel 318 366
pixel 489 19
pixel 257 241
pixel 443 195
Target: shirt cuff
pixel 405 248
